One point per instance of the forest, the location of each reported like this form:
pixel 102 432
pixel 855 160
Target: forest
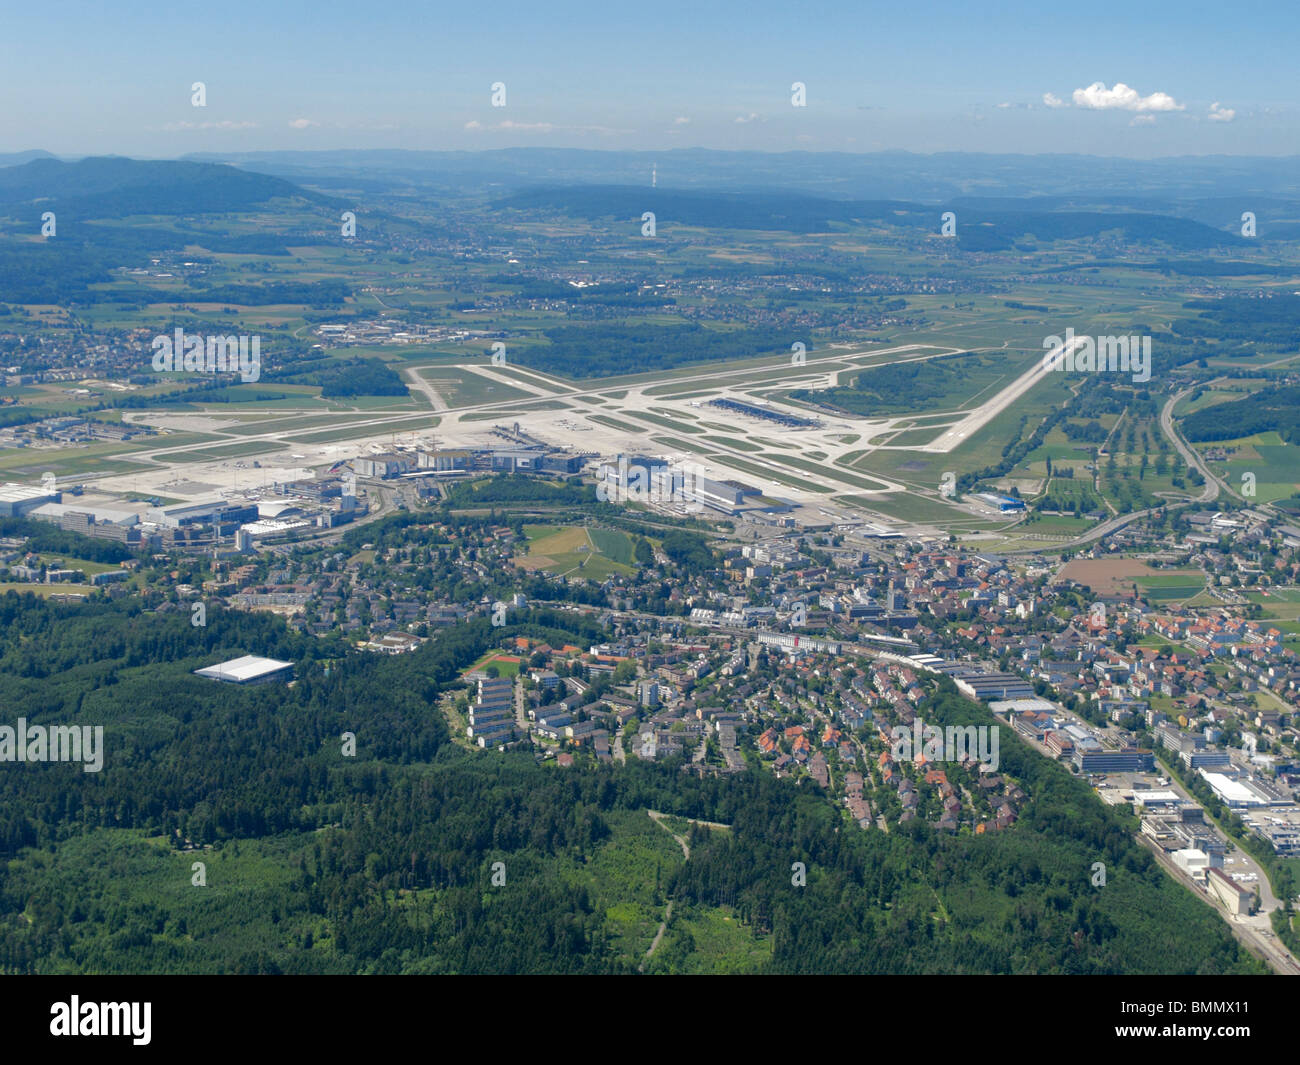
pixel 607 350
pixel 1270 410
pixel 384 862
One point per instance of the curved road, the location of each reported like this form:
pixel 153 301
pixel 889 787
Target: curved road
pixel 1208 494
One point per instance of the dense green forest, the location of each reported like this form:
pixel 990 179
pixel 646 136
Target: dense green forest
pixel 607 350
pixel 1246 322
pixel 897 388
pixel 345 377
pixel 518 488
pixel 314 861
pixel 313 293
pixel 1270 410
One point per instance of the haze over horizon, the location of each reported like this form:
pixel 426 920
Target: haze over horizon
pixel 1111 80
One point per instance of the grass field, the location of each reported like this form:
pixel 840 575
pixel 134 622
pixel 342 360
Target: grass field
pixel 507 665
pixel 576 551
pixel 1171 587
pixel 228 451
pixel 460 387
pixel 1264 459
pixel 1116 576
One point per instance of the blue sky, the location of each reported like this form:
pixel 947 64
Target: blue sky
pixel 81 78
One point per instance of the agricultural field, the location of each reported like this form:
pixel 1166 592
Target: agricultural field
pixel 1117 576
pixel 1262 462
pixel 577 551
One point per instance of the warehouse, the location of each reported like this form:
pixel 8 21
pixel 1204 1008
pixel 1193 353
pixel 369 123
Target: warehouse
pixel 250 669
pixel 17 500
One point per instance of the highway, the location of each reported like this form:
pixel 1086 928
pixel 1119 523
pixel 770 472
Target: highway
pixel 1208 494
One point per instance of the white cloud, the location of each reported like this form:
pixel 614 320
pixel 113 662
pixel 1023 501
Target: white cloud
pixel 1096 97
pixel 1052 100
pixel 751 117
pixel 302 123
pixel 1143 120
pixel 681 120
pixel 1221 114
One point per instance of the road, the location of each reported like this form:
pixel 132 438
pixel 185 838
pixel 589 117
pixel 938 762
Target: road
pixel 1208 494
pixel 1211 491
pixel 658 819
pixel 1255 933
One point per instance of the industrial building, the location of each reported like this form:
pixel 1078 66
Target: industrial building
pixel 1196 863
pixel 717 495
pixel 103 523
pixel 1003 504
pixel 1236 899
pixel 1235 792
pixel 249 669
pixel 18 500
pixel 1132 760
pixel 990 686
pixel 202 511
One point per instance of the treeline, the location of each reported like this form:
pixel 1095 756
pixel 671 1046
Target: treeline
pixel 895 388
pixel 612 349
pixel 344 377
pixel 689 552
pixel 327 293
pixel 1267 321
pixel 42 536
pixel 980 227
pixel 1270 410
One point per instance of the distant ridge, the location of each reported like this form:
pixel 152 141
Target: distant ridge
pixel 843 175
pixel 18 158
pixel 115 186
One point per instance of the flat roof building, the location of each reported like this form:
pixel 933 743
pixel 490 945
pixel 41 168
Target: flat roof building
pixel 250 669
pixel 1103 761
pixel 1235 898
pixel 1233 792
pixel 16 500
